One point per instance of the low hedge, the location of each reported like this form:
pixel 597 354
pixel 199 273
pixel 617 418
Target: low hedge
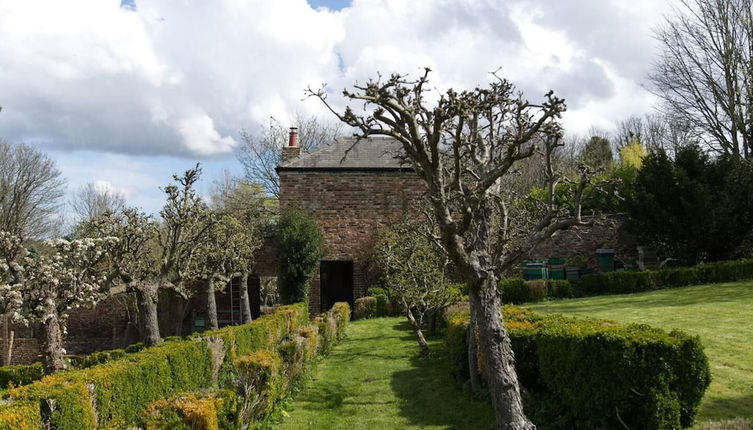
pixel 365 307
pixel 596 374
pixel 254 386
pixel 648 280
pixel 20 374
pixel 20 416
pixel 517 290
pixel 204 410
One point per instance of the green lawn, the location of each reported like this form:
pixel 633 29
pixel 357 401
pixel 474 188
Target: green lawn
pixel 375 379
pixel 721 314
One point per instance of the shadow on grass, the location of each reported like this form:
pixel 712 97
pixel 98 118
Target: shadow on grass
pixel 728 407
pixel 430 397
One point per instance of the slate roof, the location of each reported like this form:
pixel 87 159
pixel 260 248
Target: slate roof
pixel 368 154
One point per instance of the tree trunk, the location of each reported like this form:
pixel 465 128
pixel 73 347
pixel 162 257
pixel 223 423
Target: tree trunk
pixel 419 334
pixel 498 357
pixel 473 354
pixel 245 301
pixel 8 335
pixel 147 297
pixel 53 342
pixel 212 323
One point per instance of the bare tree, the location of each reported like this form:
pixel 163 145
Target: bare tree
pixel 92 200
pixel 261 153
pixel 465 147
pixel 31 192
pixel 704 75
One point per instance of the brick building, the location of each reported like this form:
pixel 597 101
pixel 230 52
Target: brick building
pixel 349 188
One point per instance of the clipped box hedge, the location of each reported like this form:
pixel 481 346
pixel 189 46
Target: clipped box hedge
pixel 637 281
pixel 518 290
pixel 204 410
pixel 20 374
pixel 116 394
pixel 597 374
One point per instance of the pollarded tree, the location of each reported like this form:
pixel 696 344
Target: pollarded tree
pixel 415 274
pixel 218 260
pixel 247 203
pixel 152 256
pixel 466 146
pixel 72 275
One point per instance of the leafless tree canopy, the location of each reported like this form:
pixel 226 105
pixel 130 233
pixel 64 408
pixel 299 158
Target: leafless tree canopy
pixel 91 201
pixel 466 147
pixel 705 73
pixel 261 152
pixel 31 192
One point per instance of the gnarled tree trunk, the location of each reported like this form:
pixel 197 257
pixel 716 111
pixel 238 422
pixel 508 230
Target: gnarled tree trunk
pixel 498 357
pixel 473 353
pixel 147 297
pixel 53 342
pixel 212 323
pixel 245 301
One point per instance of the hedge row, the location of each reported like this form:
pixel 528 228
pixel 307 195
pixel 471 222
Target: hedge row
pixel 633 282
pixel 596 374
pixel 257 382
pixel 113 395
pixel 516 290
pixel 20 374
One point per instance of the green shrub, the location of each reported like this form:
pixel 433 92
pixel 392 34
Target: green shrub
pixel 20 416
pixel 115 394
pixel 365 307
pixel 205 410
pixel 559 288
pixel 383 306
pixel 20 374
pixel 592 374
pixel 536 290
pixel 95 358
pixel 376 291
pixel 135 347
pixel 514 290
pixel 262 370
pixel 638 281
pixel 300 248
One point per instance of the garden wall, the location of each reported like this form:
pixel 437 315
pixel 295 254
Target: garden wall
pixel 241 370
pixel 596 374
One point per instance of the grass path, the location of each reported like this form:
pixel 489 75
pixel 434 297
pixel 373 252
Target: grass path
pixel 721 314
pixel 375 379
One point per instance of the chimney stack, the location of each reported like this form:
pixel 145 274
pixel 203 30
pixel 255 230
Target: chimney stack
pixel 291 151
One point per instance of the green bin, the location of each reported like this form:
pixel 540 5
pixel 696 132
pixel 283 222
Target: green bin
pixel 605 259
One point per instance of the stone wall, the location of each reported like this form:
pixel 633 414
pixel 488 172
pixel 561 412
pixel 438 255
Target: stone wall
pixel 349 206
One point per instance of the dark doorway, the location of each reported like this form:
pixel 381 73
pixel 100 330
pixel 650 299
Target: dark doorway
pixel 336 279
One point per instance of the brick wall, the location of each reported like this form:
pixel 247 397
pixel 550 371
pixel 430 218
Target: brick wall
pixel 348 206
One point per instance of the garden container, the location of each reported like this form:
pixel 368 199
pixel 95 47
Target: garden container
pixel 605 259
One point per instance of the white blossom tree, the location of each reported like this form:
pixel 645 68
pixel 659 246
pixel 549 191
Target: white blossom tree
pixel 11 280
pixel 70 276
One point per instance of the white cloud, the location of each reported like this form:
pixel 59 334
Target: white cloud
pixel 179 79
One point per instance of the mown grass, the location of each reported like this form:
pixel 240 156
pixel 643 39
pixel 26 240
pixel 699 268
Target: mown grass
pixel 721 314
pixel 375 379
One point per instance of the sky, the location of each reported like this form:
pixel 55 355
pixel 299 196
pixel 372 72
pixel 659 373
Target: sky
pixel 124 93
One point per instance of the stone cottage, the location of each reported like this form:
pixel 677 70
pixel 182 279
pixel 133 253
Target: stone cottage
pixel 349 188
